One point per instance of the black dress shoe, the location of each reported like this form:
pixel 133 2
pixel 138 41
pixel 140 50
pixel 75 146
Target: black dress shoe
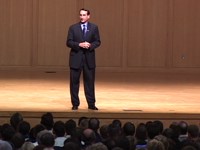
pixel 75 108
pixel 93 108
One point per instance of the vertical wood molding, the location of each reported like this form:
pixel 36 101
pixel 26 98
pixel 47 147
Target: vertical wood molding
pixel 170 23
pixel 34 58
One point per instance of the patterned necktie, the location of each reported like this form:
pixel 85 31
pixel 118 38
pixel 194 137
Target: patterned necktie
pixel 84 30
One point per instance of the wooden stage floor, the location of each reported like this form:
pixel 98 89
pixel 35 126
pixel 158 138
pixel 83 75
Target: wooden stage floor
pixel 124 93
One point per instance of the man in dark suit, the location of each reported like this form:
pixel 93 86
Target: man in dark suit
pixel 83 38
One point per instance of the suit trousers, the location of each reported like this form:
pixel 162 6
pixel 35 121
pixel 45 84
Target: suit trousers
pixel 88 82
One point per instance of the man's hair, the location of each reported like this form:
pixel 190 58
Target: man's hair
pixel 193 131
pixel 94 124
pixel 117 122
pixel 17 140
pixel 153 129
pixel 7 132
pixel 83 122
pixel 88 12
pixel 24 127
pixel 15 119
pixel 97 146
pixel 141 132
pixel 164 140
pixel 59 129
pixel 5 145
pixel 88 137
pixel 183 127
pixel 155 145
pixel 189 147
pixel 129 128
pixel 47 139
pixel 71 146
pixel 70 126
pixel 47 120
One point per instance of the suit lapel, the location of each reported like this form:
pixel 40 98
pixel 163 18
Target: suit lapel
pixel 80 30
pixel 88 29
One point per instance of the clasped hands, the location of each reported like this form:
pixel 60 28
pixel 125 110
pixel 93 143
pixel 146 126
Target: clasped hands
pixel 85 45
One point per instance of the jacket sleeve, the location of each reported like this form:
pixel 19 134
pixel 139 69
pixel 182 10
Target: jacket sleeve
pixel 71 43
pixel 96 41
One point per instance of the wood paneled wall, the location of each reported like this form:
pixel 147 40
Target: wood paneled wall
pixel 147 33
pixel 135 34
pixel 186 33
pixel 16 25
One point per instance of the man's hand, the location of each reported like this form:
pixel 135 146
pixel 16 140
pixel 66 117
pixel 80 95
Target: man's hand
pixel 85 45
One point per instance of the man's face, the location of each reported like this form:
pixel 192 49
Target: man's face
pixel 83 16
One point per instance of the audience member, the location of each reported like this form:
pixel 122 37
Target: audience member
pixel 97 146
pixel 39 147
pixel 110 143
pixel 88 135
pixel 164 140
pixel 129 132
pixel 117 148
pixel 94 124
pixel 7 132
pixel 141 136
pixel 129 129
pixel 88 138
pixel 48 121
pixel 169 134
pixel 183 131
pixel 176 132
pixel 117 122
pixel 122 142
pixel 153 129
pixel 114 131
pixel 24 128
pixel 17 141
pixel 27 146
pixel 36 129
pixel 5 145
pixel 155 145
pixel 59 132
pixel 0 131
pixel 104 133
pixel 193 137
pixel 189 148
pixel 71 146
pixel 15 119
pixel 46 139
pixel 70 127
pixel 160 125
pixel 83 123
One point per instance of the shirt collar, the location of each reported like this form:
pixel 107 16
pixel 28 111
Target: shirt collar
pixel 86 24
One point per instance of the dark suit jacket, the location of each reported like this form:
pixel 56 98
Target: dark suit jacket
pixel 75 36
